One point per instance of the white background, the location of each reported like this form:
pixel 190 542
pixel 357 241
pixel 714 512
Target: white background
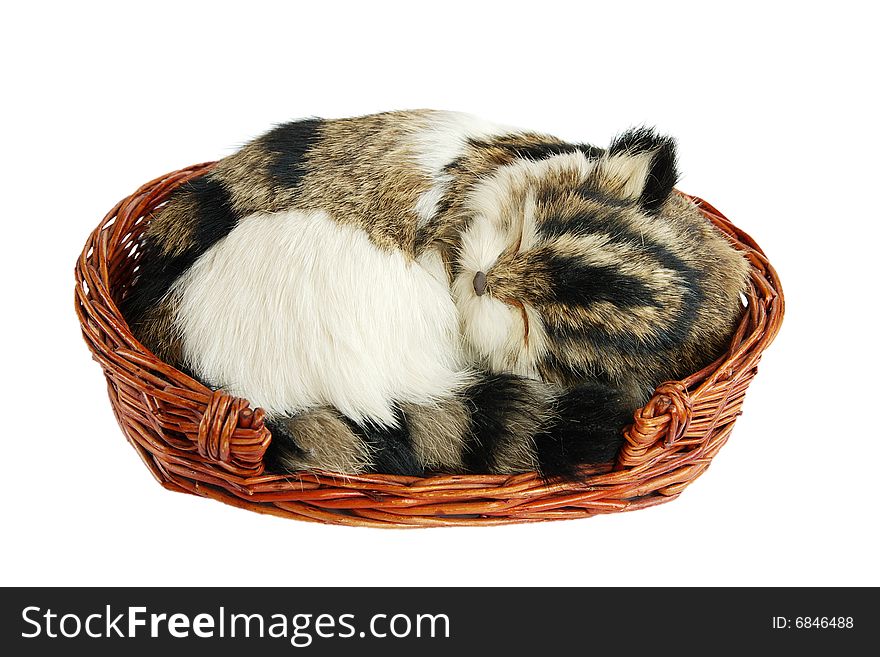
pixel 774 106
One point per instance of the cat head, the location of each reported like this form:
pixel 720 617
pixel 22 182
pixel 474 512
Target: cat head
pixel 563 270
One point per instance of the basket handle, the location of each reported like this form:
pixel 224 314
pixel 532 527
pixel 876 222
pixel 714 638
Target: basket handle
pixel 657 426
pixel 232 435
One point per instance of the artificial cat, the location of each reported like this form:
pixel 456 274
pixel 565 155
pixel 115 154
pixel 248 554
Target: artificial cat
pixel 423 291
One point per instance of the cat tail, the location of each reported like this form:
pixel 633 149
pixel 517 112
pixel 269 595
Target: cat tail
pixel 497 424
pixel 519 424
pixel 325 439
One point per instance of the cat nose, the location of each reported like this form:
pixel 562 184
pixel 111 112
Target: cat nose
pixel 480 283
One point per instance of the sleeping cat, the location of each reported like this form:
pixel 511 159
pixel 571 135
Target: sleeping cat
pixel 422 291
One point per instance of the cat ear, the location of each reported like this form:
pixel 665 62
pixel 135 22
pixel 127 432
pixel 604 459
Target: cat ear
pixel 638 166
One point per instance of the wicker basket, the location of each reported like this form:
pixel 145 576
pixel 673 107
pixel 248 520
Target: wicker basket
pixel 205 442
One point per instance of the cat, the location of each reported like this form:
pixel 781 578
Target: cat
pixel 423 291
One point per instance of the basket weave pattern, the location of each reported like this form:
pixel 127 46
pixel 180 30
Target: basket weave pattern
pixel 205 442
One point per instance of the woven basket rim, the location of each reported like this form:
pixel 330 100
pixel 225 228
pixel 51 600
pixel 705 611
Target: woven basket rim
pixel 205 442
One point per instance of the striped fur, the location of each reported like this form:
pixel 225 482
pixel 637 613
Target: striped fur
pixel 423 291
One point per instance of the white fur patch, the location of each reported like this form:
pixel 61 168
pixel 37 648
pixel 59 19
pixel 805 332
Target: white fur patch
pixel 429 200
pixel 441 143
pixel 432 263
pixel 294 310
pixel 445 139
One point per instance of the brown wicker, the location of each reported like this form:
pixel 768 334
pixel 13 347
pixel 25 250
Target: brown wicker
pixel 210 444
